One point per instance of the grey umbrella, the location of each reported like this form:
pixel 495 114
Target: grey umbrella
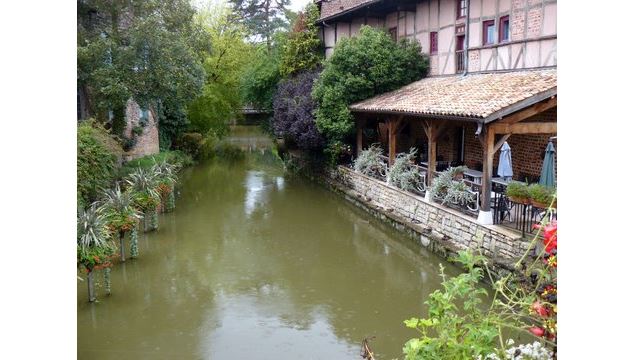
pixel 548 173
pixel 505 162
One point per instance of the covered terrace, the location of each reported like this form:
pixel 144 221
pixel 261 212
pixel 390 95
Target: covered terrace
pixel 465 120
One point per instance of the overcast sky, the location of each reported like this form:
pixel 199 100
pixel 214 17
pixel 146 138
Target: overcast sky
pixel 298 4
pixel 295 4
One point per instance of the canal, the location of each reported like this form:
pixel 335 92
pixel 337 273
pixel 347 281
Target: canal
pixel 256 263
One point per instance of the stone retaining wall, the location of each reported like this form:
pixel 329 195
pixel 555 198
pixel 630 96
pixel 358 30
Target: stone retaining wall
pixel 439 228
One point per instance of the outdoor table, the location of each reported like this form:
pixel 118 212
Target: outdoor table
pixel 474 174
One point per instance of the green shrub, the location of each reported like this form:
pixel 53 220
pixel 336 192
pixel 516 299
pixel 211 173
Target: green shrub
pixel 361 67
pixel 518 190
pixel 369 160
pixel 540 193
pixel 175 157
pixel 401 174
pixel 190 143
pixel 97 160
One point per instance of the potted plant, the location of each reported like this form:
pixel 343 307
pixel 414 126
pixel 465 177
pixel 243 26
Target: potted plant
pixel 94 247
pixel 165 174
pixel 143 184
pixel 121 216
pixel 402 174
pixel 517 192
pixel 540 195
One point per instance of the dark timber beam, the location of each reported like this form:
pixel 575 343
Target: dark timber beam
pixel 361 123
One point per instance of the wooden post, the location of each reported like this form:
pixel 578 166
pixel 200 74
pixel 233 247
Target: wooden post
pixel 392 140
pixel 488 160
pixel 360 135
pixel 431 132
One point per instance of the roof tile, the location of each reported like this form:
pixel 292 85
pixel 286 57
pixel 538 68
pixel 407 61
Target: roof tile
pixel 473 95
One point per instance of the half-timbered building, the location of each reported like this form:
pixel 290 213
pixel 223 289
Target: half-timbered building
pixel 492 79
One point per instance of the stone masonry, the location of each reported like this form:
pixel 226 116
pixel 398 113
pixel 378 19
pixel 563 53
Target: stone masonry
pixel 437 227
pixel 147 143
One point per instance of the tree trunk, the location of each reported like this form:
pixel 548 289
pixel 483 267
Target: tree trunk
pixel 91 287
pixel 121 246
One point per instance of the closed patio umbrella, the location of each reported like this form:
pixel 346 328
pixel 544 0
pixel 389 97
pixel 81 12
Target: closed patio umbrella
pixel 505 162
pixel 548 173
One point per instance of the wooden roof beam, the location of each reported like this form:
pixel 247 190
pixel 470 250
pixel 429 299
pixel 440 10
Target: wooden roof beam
pixel 530 111
pixel 524 128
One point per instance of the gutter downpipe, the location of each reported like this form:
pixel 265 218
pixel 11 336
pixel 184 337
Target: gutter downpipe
pixel 467 38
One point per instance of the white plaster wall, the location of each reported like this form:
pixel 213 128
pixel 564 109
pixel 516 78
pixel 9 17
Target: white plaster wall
pixel 329 36
pixel 447 13
pixel 549 20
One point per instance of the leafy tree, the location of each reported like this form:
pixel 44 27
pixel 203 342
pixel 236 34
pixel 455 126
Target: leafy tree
pixel 150 51
pixel 303 49
pixel 293 109
pixel 261 76
pixel 220 99
pixel 263 18
pixel 361 67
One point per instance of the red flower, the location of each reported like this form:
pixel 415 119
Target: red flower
pixel 538 331
pixel 540 309
pixel 551 235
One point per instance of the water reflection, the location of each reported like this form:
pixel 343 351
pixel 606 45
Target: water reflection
pixel 255 264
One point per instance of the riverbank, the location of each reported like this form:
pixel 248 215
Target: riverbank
pixel 436 228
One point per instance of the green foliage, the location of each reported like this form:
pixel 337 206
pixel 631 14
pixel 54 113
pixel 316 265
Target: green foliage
pixel 94 246
pixel 302 52
pixel 143 185
pixel 96 161
pixel 149 51
pixel 361 67
pixel 402 174
pixel 259 81
pixel 263 18
pixel 456 326
pixel 517 190
pixel 118 209
pixel 369 162
pixel 541 194
pixel 220 100
pixel 175 157
pixel 447 190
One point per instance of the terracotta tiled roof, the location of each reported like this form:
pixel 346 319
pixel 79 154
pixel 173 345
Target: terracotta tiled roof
pixel 332 7
pixel 474 95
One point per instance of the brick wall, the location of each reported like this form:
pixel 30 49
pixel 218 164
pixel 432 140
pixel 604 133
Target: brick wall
pixel 527 150
pixel 148 142
pixel 435 225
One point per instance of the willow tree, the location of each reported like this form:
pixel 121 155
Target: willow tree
pixel 94 247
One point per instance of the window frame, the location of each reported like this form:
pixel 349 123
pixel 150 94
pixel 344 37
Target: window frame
pixel 461 9
pixel 486 24
pixel 500 29
pixel 394 35
pixel 435 35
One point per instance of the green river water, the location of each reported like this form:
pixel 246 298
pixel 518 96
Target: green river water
pixel 256 264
